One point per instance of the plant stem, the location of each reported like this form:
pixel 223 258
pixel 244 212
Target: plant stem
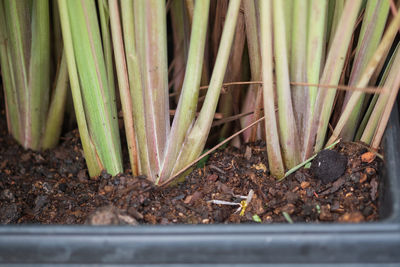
pixel 10 91
pixel 123 82
pixel 28 35
pixel 315 48
pixel 197 136
pixel 383 103
pixel 371 32
pixel 55 116
pixel 271 129
pixel 135 84
pixel 384 45
pixel 298 65
pixel 39 73
pixel 287 126
pixel 151 45
pixel 93 161
pixel 187 105
pixel 99 104
pixel 104 15
pixel 254 95
pixel 331 75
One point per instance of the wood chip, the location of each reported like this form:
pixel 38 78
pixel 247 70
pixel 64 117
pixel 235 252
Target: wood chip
pixel 368 157
pixel 363 178
pixel 260 166
pixel 305 184
pixel 370 171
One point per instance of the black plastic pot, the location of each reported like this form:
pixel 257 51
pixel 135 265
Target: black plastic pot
pixel 221 244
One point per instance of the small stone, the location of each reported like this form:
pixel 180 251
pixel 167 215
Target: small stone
pixel 8 213
pixel 109 215
pixel 328 165
pixel 374 189
pixel 40 202
pixel 206 221
pixel 164 221
pixel 6 194
pixel 354 217
pixel 289 209
pixel 133 212
pixel 103 216
pixel 108 188
pixel 305 184
pixel 126 219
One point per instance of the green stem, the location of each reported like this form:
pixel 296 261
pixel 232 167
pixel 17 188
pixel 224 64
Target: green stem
pixel 123 82
pixel 383 100
pixel 371 33
pixel 315 50
pixel 271 128
pixel 287 126
pixel 151 45
pixel 254 95
pixel 55 116
pixel 92 160
pixel 385 44
pixel 331 75
pixel 197 136
pixel 298 65
pixel 104 14
pixel 10 91
pixel 39 71
pixel 186 109
pixel 135 84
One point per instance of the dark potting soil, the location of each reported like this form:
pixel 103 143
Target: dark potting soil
pixel 53 187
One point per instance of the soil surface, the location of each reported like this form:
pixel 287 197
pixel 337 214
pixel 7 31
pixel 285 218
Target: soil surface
pixel 53 187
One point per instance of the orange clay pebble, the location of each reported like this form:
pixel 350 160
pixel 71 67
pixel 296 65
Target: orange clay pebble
pixel 368 157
